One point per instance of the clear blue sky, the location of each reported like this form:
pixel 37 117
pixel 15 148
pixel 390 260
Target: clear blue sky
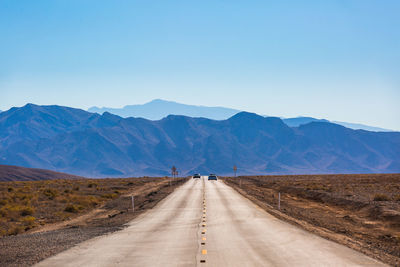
pixel 338 60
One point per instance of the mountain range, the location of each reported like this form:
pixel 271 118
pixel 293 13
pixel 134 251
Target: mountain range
pixel 158 109
pixel 93 145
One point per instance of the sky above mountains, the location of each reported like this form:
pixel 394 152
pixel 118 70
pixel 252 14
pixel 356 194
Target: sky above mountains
pixel 337 60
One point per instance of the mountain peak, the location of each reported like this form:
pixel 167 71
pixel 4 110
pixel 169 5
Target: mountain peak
pixel 159 101
pixel 30 106
pixel 244 115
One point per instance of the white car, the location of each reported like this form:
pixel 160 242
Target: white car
pixel 212 177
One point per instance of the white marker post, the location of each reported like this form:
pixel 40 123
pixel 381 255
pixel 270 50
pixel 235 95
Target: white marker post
pixel 279 201
pixel 133 204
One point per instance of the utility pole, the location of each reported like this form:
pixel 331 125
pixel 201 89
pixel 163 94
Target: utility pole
pixel 279 201
pixel 173 170
pixel 234 169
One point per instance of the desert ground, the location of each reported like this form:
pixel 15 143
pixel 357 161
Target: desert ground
pixel 47 219
pixel 360 211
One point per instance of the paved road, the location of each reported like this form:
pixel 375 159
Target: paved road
pixel 208 221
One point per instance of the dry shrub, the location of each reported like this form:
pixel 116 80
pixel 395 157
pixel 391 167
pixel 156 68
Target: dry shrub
pixel 50 193
pixel 381 197
pixel 15 229
pixel 85 201
pixel 29 219
pixel 111 196
pixel 29 222
pixel 3 212
pixel 22 196
pixel 16 210
pixel 27 211
pixel 73 208
pixel 90 185
pixel 63 199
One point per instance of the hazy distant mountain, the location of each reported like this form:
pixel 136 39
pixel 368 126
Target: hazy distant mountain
pixel 359 126
pixel 296 122
pixel 158 109
pixel 89 144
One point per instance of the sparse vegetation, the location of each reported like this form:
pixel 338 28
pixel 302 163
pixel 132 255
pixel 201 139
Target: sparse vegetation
pixel 78 215
pixel 27 204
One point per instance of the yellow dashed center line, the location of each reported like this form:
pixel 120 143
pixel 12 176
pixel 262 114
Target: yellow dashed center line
pixel 203 232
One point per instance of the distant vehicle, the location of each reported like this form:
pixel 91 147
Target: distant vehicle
pixel 212 177
pixel 196 175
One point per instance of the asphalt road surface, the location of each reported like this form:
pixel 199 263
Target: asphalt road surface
pixel 207 223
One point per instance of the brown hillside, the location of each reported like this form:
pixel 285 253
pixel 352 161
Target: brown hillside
pixel 16 173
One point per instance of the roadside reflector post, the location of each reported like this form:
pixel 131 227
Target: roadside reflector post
pixel 279 200
pixel 133 204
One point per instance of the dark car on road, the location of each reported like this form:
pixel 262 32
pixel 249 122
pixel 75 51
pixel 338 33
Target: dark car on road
pixel 212 177
pixel 196 175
